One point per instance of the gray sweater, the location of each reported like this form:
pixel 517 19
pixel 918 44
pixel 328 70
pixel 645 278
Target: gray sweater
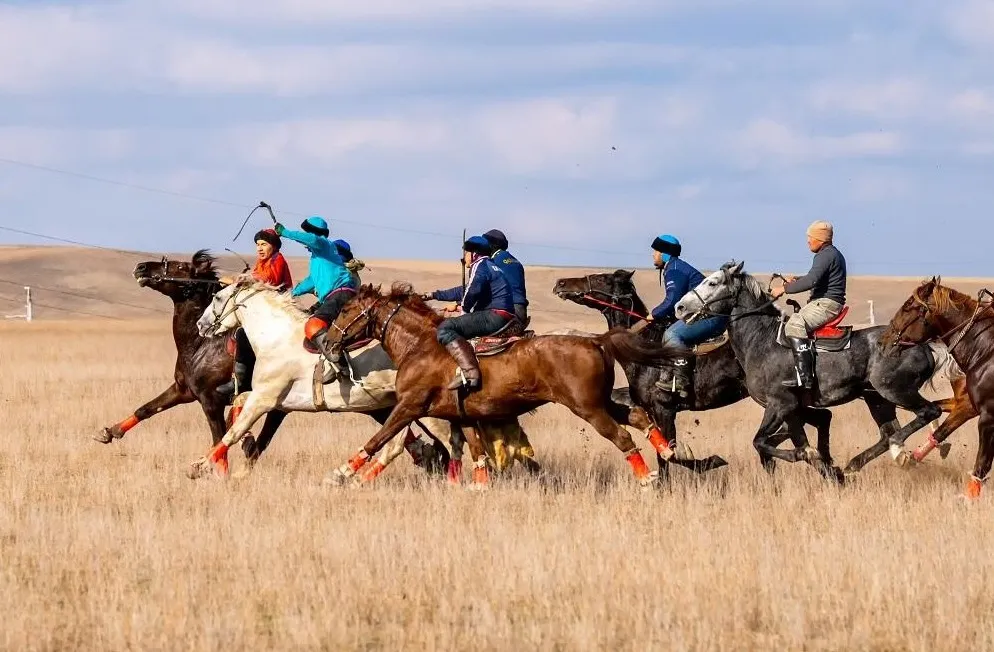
pixel 827 278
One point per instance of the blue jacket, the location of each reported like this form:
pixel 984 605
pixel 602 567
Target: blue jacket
pixel 679 278
pixel 327 272
pixel 486 289
pixel 514 273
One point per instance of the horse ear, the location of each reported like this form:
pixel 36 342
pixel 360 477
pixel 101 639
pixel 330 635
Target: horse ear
pixel 737 268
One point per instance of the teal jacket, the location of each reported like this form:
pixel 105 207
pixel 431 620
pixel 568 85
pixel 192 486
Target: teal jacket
pixel 327 272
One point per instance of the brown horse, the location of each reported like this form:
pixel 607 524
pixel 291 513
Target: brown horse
pixel 577 372
pixel 201 363
pixel 966 326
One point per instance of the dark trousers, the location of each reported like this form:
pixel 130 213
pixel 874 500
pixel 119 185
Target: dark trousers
pixel 474 324
pixel 329 309
pixel 243 349
pixel 521 312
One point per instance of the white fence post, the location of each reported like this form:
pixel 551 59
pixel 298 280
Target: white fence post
pixel 28 312
pixel 873 318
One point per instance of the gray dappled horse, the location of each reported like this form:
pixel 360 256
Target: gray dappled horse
pixel 857 368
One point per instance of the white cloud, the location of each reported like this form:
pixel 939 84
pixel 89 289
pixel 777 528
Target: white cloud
pixel 972 22
pixel 766 140
pixel 892 98
pixel 46 146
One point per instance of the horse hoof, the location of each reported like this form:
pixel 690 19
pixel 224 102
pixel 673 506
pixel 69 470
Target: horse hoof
pixel 249 446
pixel 104 436
pixel 198 469
pixel 906 460
pixel 478 487
pixel 944 449
pixel 335 479
pixel 838 476
pixel 849 476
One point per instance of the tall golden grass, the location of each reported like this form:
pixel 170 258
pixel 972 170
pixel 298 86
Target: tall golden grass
pixel 112 548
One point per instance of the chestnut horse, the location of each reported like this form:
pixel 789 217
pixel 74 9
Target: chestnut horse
pixel 577 372
pixel 966 326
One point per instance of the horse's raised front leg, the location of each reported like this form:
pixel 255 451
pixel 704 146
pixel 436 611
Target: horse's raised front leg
pixel 960 409
pixel 770 433
pixel 255 406
pixel 175 395
pixel 402 415
pixel 884 414
pixel 615 433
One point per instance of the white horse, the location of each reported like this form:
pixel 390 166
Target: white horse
pixel 290 378
pixel 284 374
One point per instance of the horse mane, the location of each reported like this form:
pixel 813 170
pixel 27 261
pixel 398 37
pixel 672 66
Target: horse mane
pixel 205 265
pixel 944 298
pixel 282 300
pixel 403 292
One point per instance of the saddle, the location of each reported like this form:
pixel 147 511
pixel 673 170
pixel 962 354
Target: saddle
pixel 830 338
pixel 513 331
pixel 713 344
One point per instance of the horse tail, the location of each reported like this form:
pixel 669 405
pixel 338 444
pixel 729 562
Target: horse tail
pixel 627 347
pixel 946 368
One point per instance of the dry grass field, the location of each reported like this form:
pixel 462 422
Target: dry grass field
pixel 112 548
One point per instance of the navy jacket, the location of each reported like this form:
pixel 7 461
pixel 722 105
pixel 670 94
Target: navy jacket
pixel 514 273
pixel 486 289
pixel 679 278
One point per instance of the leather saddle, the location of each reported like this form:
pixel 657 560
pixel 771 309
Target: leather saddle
pixel 830 338
pixel 713 344
pixel 503 339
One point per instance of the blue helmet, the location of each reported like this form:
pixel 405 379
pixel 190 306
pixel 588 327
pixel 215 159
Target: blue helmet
pixel 344 250
pixel 477 244
pixel 668 246
pixel 316 225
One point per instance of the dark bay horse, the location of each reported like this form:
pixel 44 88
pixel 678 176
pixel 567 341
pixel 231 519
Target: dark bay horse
pixel 201 363
pixel 966 326
pixel 860 371
pixel 718 382
pixel 574 371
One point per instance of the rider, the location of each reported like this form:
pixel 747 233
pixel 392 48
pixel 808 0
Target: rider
pixel 270 267
pixel 487 307
pixel 328 279
pixel 680 278
pixel 513 271
pixel 353 264
pixel 827 282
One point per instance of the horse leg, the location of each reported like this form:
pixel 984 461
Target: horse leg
pixel 821 419
pixel 960 409
pixel 770 431
pixel 456 441
pixel 175 395
pixel 214 411
pixel 884 414
pixel 255 406
pixel 985 453
pixel 521 448
pixel 481 477
pixel 925 413
pixel 661 437
pixel 401 416
pixel 795 428
pixel 394 449
pixel 601 420
pixel 252 447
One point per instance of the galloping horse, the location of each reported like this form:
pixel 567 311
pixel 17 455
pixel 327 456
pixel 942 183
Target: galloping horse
pixel 201 363
pixel 858 370
pixel 966 326
pixel 577 372
pixel 288 377
pixel 719 381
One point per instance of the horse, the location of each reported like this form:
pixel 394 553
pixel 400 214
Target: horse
pixel 966 326
pixel 574 371
pixel 718 382
pixel 202 364
pixel 290 378
pixel 858 369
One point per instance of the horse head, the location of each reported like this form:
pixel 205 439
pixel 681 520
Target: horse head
pixel 179 280
pixel 717 294
pixel 371 312
pixel 915 321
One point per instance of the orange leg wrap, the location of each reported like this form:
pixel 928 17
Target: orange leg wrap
pixel 219 456
pixel 637 463
pixel 233 414
pixel 374 470
pixel 925 448
pixel 358 460
pixel 480 475
pixel 973 488
pixel 455 471
pixel 128 423
pixel 658 441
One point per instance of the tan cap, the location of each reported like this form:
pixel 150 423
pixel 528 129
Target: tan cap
pixel 821 231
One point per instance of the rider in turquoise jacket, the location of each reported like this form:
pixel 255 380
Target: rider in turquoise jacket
pixel 329 280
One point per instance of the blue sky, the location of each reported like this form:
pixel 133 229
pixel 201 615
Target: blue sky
pixel 582 128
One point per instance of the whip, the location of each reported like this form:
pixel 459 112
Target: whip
pixel 262 204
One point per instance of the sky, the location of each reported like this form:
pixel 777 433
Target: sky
pixel 581 128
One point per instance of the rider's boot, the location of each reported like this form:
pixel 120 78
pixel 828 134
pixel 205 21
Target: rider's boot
pixel 469 367
pixel 241 381
pixel 804 363
pixel 340 359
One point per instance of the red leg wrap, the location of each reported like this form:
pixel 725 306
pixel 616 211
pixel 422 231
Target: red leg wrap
pixel 637 463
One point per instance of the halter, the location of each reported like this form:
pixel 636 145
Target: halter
pixel 160 278
pixel 613 302
pixel 707 312
pixel 370 328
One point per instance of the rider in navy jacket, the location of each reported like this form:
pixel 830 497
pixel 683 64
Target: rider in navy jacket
pixel 513 271
pixel 679 278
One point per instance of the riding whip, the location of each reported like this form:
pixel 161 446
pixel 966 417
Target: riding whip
pixel 262 204
pixel 462 263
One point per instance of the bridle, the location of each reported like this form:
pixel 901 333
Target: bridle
pixel 369 329
pixel 924 310
pixel 706 311
pixel 613 302
pixel 231 304
pixel 191 283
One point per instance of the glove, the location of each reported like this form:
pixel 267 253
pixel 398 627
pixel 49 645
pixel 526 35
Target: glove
pixel 279 229
pixel 427 296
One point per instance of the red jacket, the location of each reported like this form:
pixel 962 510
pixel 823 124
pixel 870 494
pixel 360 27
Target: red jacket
pixel 274 271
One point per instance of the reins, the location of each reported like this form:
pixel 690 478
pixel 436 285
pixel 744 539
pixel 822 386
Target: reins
pixel 962 328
